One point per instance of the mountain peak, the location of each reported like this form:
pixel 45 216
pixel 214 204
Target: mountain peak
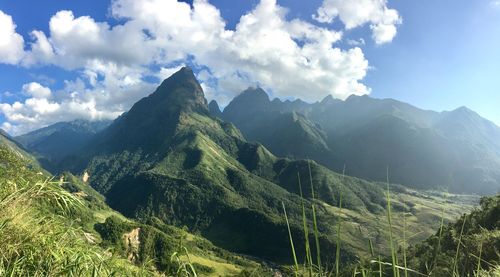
pixel 181 91
pixel 214 109
pixel 329 100
pixel 254 94
pixel 462 113
pixel 354 97
pixel 463 109
pixel 154 119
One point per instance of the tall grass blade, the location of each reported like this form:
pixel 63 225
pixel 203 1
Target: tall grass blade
pixel 372 252
pixel 291 241
pixel 306 229
pixel 395 271
pixel 404 242
pixel 337 253
pixel 455 262
pixel 315 223
pixel 379 266
pixel 438 247
pixel 478 268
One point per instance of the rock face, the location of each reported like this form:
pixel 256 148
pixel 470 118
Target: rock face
pixel 132 243
pixel 85 177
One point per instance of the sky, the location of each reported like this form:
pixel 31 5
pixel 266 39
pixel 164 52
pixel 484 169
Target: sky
pixel 63 60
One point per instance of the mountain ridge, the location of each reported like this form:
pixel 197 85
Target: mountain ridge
pixel 447 138
pixel 189 168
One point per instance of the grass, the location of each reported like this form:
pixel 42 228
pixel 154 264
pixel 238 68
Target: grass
pixel 394 257
pixel 374 267
pixel 47 230
pixel 339 224
pixel 40 221
pixel 41 244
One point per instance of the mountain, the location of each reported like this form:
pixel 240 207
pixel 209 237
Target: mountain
pixel 280 126
pixel 52 143
pixel 169 158
pixel 458 150
pixel 214 109
pixel 66 229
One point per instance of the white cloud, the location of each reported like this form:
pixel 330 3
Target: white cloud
pixel 290 57
pixel 382 33
pixel 36 90
pixel 356 42
pixel 41 50
pixel 11 43
pixel 118 90
pixel 382 19
pixel 80 41
pixel 166 72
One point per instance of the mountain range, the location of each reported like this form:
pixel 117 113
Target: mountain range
pixel 457 151
pixel 227 175
pixel 51 144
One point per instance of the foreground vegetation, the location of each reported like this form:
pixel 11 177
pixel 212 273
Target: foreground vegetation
pixel 38 228
pixel 62 227
pixel 468 247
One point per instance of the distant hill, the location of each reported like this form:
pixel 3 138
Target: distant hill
pixel 52 143
pixel 458 150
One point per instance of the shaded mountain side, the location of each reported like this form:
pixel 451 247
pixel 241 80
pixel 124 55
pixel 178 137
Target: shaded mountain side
pixel 402 148
pixel 283 130
pixel 214 109
pixel 456 150
pixel 53 143
pixel 169 158
pixel 280 126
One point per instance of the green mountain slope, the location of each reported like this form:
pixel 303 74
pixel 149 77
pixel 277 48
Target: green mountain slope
pixel 12 145
pixel 64 228
pixel 168 158
pixel 455 150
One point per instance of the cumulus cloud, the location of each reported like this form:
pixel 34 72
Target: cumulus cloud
pixel 43 107
pixel 36 90
pixel 288 57
pixel 11 43
pixel 382 19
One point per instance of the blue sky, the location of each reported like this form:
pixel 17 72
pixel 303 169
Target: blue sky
pixel 442 55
